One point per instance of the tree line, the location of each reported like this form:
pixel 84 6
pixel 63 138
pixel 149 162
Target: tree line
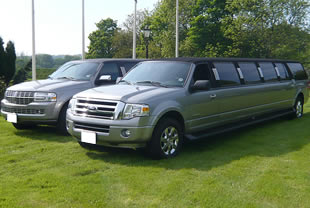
pixel 212 28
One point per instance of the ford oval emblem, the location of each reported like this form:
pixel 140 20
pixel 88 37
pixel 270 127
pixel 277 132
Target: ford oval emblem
pixel 92 108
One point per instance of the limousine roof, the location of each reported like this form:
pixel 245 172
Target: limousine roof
pixel 109 59
pixel 199 60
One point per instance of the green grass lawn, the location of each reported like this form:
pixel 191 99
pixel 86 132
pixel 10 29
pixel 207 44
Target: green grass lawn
pixel 266 165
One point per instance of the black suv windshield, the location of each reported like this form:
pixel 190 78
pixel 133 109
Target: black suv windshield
pixel 75 71
pixel 164 74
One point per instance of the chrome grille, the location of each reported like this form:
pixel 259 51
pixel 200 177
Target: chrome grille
pixel 23 111
pixel 92 127
pixel 102 109
pixel 19 97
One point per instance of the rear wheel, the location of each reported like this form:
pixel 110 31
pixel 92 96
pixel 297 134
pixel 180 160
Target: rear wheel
pixel 21 126
pixel 298 108
pixel 167 139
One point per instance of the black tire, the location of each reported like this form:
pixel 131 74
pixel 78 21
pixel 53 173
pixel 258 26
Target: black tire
pixel 61 124
pixel 167 139
pixel 21 126
pixel 298 109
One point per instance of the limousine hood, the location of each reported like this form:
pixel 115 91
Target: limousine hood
pixel 49 85
pixel 127 93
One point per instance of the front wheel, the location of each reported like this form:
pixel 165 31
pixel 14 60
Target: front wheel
pixel 167 139
pixel 61 124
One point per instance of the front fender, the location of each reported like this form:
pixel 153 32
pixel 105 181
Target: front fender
pixel 163 108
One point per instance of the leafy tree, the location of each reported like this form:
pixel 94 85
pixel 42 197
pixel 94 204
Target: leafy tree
pixel 101 39
pixel 162 25
pixel 2 58
pixel 45 61
pixel 9 63
pixel 23 73
pixel 122 44
pixel 205 37
pixel 267 28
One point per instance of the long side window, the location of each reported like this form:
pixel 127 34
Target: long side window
pixel 250 72
pixel 227 73
pixel 110 69
pixel 269 71
pixel 282 71
pixel 298 71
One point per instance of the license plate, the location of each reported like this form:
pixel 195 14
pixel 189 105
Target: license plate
pixel 11 117
pixel 88 137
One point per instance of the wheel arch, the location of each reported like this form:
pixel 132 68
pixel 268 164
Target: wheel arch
pixel 174 114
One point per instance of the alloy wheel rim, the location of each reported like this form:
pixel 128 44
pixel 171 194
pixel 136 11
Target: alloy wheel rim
pixel 169 140
pixel 298 109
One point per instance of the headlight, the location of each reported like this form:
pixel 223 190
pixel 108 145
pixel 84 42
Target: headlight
pixel 45 97
pixel 71 105
pixel 135 110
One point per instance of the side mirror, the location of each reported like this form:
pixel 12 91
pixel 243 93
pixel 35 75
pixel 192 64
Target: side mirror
pixel 104 79
pixel 201 85
pixel 118 79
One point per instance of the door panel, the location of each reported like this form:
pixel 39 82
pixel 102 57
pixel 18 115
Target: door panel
pixel 204 110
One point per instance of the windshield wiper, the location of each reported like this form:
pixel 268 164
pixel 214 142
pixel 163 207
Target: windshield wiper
pixel 127 82
pixel 70 78
pixel 152 83
pixel 50 77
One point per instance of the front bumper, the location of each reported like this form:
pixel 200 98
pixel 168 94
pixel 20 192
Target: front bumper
pixel 31 113
pixel 141 133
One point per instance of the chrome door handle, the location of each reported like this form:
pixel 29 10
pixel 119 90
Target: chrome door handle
pixel 213 96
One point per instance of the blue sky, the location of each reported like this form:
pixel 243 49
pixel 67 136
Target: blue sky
pixel 58 22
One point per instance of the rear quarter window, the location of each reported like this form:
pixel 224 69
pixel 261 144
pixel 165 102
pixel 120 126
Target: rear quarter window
pixel 298 71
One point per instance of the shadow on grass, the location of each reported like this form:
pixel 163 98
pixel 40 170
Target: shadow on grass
pixel 269 139
pixel 44 132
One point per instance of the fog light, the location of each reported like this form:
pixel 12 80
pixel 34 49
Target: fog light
pixel 126 133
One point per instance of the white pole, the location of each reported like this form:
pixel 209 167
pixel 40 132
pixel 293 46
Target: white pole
pixel 134 32
pixel 177 30
pixel 34 74
pixel 83 31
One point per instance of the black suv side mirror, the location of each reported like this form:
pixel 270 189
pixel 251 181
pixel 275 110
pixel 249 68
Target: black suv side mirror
pixel 104 79
pixel 201 85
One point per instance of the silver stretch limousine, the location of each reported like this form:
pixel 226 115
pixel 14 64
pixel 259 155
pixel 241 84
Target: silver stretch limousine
pixel 160 103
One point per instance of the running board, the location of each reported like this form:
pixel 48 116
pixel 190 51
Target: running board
pixel 227 128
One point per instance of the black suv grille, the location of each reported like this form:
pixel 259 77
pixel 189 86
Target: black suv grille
pixel 19 97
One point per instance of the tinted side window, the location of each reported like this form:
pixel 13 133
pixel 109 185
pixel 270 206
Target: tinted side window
pixel 282 71
pixel 269 71
pixel 227 73
pixel 110 69
pixel 128 66
pixel 250 72
pixel 298 71
pixel 201 73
